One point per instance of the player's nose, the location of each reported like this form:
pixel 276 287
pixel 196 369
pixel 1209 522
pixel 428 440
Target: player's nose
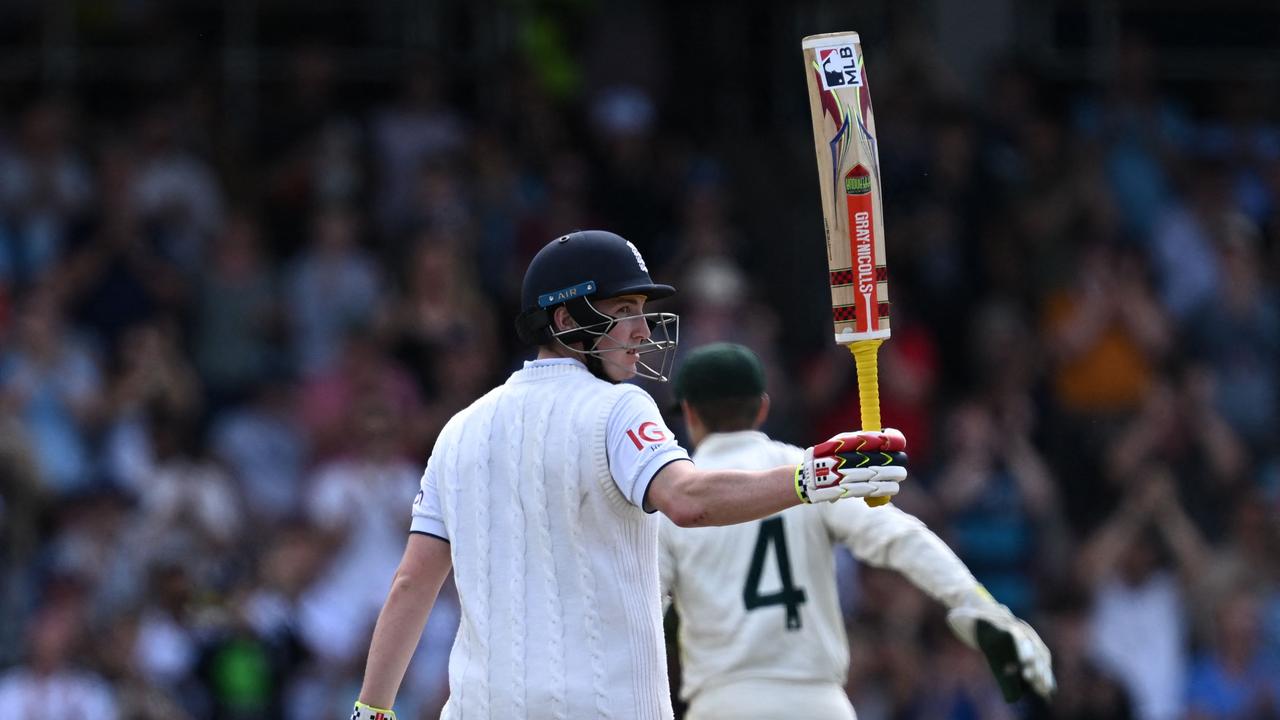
pixel 640 328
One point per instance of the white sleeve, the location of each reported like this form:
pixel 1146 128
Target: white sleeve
pixel 640 444
pixel 890 538
pixel 428 514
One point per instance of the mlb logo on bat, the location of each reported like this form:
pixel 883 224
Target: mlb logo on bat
pixel 839 67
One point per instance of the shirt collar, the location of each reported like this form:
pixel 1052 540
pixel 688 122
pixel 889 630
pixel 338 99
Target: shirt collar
pixel 728 441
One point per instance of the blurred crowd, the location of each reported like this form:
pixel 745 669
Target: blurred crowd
pixel 225 355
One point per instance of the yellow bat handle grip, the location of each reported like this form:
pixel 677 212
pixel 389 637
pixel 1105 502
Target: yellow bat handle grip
pixel 864 354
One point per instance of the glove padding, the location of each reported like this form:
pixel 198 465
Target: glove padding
pixel 1017 656
pixel 868 463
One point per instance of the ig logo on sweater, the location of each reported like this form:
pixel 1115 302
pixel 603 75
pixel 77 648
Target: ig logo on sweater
pixel 648 432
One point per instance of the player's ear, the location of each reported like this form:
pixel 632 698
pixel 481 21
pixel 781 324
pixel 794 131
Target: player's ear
pixel 763 412
pixel 561 320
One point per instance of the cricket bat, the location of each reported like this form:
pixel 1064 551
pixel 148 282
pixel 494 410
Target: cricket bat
pixel 844 136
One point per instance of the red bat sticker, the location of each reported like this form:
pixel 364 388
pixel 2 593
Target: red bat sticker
pixel 857 188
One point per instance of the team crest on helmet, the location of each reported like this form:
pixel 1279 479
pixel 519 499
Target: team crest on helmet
pixel 639 260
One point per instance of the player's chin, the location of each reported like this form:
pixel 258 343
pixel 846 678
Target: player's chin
pixel 622 366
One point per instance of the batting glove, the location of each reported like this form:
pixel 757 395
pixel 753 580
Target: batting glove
pixel 368 712
pixel 868 463
pixel 1016 654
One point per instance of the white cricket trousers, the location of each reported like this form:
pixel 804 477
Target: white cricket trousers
pixel 770 700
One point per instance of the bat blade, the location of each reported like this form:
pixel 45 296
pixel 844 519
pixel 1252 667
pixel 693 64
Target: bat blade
pixel 844 132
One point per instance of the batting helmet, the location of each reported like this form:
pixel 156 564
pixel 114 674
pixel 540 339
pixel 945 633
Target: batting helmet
pixel 574 269
pixel 584 264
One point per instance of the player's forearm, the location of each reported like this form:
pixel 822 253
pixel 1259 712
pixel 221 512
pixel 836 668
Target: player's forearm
pixel 933 567
pixel 395 637
pixel 889 538
pixel 403 616
pixel 725 497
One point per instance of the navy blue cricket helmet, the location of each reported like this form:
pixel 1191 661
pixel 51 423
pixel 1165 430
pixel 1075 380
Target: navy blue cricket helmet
pixel 583 265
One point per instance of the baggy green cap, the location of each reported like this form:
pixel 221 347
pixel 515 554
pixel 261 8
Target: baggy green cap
pixel 717 371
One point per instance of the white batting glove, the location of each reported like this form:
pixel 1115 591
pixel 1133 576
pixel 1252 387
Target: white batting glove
pixel 868 463
pixel 1016 654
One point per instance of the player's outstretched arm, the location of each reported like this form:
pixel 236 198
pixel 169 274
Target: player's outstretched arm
pixel 849 465
pixel 889 538
pixel 422 571
pixel 698 498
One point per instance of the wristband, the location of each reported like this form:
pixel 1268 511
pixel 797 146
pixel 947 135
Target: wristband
pixel 369 712
pixel 800 491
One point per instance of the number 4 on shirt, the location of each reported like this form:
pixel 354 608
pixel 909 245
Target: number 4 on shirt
pixel 771 533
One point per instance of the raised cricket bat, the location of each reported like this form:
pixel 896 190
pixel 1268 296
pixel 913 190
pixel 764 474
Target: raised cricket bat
pixel 844 135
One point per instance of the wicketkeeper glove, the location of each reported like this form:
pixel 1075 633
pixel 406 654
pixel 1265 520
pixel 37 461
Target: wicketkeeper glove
pixel 1016 654
pixel 368 712
pixel 868 463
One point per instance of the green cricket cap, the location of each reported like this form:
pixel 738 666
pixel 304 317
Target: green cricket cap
pixel 719 370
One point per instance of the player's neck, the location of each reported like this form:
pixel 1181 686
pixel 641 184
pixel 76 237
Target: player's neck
pixel 697 431
pixel 556 350
pixel 695 439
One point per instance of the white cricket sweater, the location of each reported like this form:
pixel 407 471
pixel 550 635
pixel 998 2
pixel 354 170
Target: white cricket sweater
pixel 557 572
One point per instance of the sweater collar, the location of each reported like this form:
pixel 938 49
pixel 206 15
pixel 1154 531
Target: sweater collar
pixel 549 367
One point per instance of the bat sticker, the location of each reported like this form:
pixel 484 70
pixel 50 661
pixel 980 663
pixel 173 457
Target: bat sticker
pixel 839 66
pixel 862 245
